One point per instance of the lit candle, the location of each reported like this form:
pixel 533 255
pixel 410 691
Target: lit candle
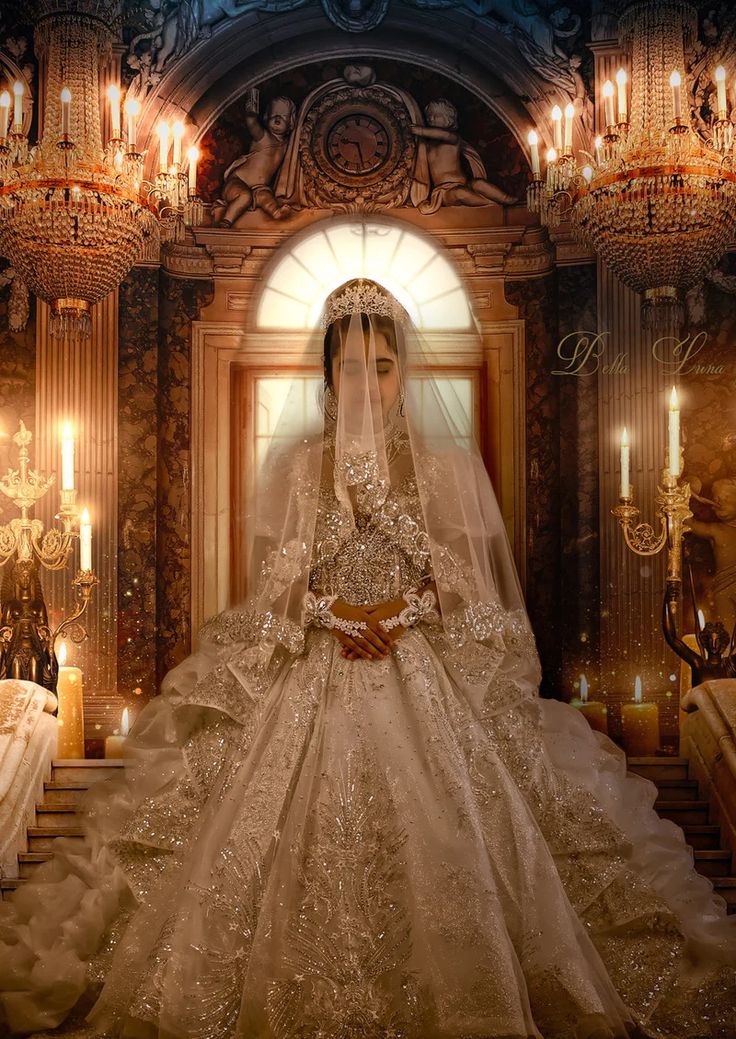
pixel 594 712
pixel 721 89
pixel 114 745
pixel 557 127
pixel 533 140
pixel 598 145
pixel 69 691
pixel 569 116
pixel 85 542
pixel 132 108
pixel 676 83
pixel 623 108
pixel 193 155
pixel 587 172
pixel 113 93
pixel 163 138
pixel 640 725
pixel 674 434
pixel 625 485
pixel 608 103
pixel 178 133
pixel 4 114
pixel 67 458
pixel 66 104
pixel 18 92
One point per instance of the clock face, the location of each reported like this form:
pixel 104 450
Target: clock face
pixel 358 144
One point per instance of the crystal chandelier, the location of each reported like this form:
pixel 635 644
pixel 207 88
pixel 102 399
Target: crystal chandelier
pixel 655 199
pixel 74 215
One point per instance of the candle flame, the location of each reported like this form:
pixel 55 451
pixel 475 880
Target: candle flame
pixel 587 172
pixel 163 130
pixel 532 137
pixel 621 77
pixel 637 689
pixel 124 724
pixel 569 110
pixel 556 113
pixel 5 99
pixel 608 88
pixel 113 93
pixel 85 516
pixel 18 88
pixel 720 74
pixel 65 95
pixel 624 438
pixel 583 689
pixel 551 155
pixel 674 404
pixel 193 153
pixel 701 619
pixel 132 106
pixel 675 78
pixel 61 655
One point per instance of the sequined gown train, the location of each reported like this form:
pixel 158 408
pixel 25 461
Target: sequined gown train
pixel 412 848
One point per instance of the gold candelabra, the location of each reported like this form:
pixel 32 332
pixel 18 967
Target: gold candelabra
pixel 26 640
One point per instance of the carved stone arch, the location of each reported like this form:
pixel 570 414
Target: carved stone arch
pixel 242 51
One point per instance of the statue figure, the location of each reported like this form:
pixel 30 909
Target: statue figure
pixel 445 150
pixel 717 656
pixel 248 180
pixel 25 636
pixel 722 536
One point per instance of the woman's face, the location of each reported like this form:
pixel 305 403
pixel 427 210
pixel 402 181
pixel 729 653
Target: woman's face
pixel 387 373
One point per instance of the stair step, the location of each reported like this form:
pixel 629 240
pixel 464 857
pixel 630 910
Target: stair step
pixel 658 768
pixel 681 812
pixel 41 838
pixel 703 835
pixel 61 813
pixel 88 770
pixel 29 860
pixel 54 792
pixel 713 863
pixel 10 884
pixel 677 789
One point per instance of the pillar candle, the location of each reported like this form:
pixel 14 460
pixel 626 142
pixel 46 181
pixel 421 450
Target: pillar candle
pixel 66 106
pixel 640 723
pixel 623 107
pixel 115 745
pixel 594 711
pixel 70 694
pixel 178 133
pixel 569 117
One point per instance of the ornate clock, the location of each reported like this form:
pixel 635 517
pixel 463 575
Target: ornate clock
pixel 357 147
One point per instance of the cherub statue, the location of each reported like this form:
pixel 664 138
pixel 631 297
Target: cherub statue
pixel 247 181
pixel 722 536
pixel 445 151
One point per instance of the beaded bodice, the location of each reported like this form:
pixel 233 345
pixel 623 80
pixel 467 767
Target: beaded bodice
pixel 373 560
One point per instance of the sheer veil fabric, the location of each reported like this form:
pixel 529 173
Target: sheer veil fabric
pixel 305 846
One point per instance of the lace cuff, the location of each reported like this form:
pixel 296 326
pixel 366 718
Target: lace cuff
pixel 419 606
pixel 316 611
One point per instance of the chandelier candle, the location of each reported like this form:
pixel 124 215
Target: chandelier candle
pixel 640 725
pixel 623 109
pixel 608 103
pixel 113 94
pixel 193 155
pixel 85 542
pixel 594 711
pixel 675 84
pixel 557 127
pixel 66 104
pixel 4 114
pixel 674 434
pixel 70 693
pixel 569 117
pixel 132 109
pixel 18 91
pixel 67 458
pixel 721 92
pixel 163 137
pixel 625 485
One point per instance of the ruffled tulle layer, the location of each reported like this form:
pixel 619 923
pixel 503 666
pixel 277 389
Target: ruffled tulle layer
pixel 360 849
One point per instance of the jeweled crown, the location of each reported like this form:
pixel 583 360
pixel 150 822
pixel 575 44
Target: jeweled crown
pixel 360 297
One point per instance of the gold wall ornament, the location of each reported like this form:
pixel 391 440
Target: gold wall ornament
pixel 74 215
pixel 652 196
pixel 26 640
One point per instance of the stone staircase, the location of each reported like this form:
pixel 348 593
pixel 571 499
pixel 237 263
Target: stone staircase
pixel 56 815
pixel 679 800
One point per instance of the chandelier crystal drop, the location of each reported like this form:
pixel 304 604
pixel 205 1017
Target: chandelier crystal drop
pixel 654 198
pixel 74 215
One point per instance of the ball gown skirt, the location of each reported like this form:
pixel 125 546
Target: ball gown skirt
pixel 417 847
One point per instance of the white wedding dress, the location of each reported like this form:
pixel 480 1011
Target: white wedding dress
pixel 416 847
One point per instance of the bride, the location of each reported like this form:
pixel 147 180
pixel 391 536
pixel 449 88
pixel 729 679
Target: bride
pixel 349 813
